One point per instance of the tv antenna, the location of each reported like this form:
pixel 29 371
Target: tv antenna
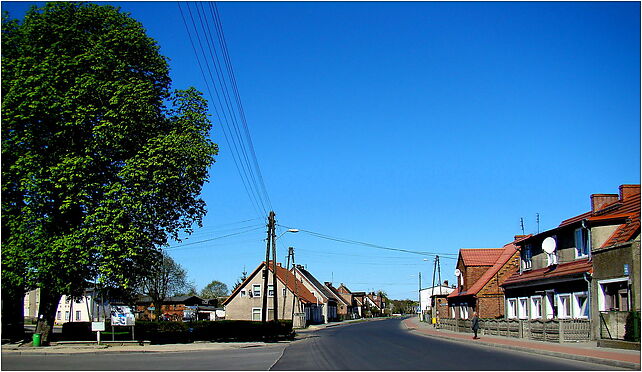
pixel 521 221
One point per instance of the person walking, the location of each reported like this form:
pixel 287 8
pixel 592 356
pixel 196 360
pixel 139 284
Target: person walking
pixel 475 325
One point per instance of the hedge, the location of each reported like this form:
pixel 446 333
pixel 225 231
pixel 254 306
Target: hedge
pixel 166 332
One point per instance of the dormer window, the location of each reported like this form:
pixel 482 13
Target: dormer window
pixel 581 243
pixel 527 255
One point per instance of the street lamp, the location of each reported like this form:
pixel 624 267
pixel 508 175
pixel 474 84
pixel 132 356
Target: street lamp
pixel 288 230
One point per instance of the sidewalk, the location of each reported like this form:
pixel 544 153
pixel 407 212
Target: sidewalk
pixel 582 351
pixel 134 348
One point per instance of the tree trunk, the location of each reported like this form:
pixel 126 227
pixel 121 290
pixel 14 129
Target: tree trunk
pixel 12 312
pixel 49 300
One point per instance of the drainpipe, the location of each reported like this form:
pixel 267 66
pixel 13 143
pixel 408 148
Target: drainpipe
pixel 588 299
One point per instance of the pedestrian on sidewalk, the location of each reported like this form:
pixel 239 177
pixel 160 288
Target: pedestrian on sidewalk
pixel 475 324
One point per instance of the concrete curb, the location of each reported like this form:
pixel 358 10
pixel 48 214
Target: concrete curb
pixel 581 358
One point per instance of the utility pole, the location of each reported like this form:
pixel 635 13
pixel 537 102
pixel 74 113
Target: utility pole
pixel 274 281
pixel 420 295
pixel 285 294
pixel 271 239
pixel 295 285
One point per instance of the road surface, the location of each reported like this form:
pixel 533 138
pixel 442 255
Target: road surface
pixel 375 345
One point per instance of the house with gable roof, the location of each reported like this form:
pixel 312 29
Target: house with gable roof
pixel 355 300
pixel 584 267
pixel 344 307
pixel 326 300
pixel 481 271
pixel 246 301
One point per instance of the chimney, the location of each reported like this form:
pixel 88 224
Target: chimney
pixel 626 191
pixel 518 237
pixel 445 283
pixel 599 201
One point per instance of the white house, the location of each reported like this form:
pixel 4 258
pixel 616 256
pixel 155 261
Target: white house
pixel 425 302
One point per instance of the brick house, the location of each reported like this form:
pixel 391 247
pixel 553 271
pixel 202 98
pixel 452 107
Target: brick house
pixel 344 307
pixel 356 303
pixel 174 308
pixel 481 271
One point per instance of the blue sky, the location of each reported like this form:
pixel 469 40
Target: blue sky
pixel 420 126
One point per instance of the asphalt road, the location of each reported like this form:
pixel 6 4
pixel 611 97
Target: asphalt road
pixel 377 345
pixel 385 345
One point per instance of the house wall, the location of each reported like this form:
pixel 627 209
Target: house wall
pixel 490 299
pixel 600 234
pixel 609 264
pixel 240 307
pixel 472 274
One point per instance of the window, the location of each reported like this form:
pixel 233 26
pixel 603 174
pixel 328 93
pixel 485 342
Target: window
pixel 564 306
pixel 463 311
pixel 581 243
pixel 59 315
pixel 580 305
pixel 283 292
pixel 243 293
pixel 536 307
pixel 613 295
pixel 256 314
pixel 66 316
pixel 256 290
pixel 512 308
pixel 523 308
pixel 550 306
pixel 527 256
pixel 452 311
pixel 77 316
pixel 270 290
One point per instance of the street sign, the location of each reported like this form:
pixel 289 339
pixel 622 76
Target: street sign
pixel 97 326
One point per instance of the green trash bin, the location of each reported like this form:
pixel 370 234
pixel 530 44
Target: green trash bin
pixel 36 339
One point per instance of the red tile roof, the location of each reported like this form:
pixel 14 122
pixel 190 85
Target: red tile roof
pixel 575 219
pixel 284 276
pixel 480 256
pixel 565 269
pixel 507 252
pixel 627 231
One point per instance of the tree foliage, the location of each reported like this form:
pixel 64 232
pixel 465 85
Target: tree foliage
pixel 166 278
pixel 214 289
pixel 101 162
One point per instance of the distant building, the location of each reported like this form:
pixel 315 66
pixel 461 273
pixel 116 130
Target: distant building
pixel 325 298
pixel 435 295
pixel 246 301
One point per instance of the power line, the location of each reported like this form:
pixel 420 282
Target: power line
pixel 221 86
pixel 216 238
pixel 356 242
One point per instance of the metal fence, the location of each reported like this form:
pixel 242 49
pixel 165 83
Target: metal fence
pixel 554 330
pixel 620 325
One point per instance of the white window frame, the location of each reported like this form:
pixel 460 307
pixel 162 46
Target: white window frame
pixel 584 243
pixel 511 308
pixel 256 310
pixel 270 290
pixel 453 311
pixel 536 307
pixel 549 300
pixel 78 316
pixel 66 316
pixel 523 305
pixel 577 310
pixel 255 290
pixel 601 300
pixel 561 309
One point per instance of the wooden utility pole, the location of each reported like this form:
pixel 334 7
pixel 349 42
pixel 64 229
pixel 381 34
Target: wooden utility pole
pixel 287 267
pixel 295 285
pixel 266 272
pixel 274 281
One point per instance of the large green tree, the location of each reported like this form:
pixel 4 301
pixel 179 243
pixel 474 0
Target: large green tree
pixel 215 289
pixel 101 162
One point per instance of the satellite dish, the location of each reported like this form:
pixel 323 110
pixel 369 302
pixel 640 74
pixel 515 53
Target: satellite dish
pixel 457 272
pixel 549 245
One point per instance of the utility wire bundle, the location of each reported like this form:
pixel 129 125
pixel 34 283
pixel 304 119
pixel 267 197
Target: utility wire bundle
pixel 207 38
